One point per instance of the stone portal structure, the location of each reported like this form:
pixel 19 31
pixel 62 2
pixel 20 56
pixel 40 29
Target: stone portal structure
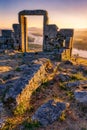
pixel 60 42
pixel 23 24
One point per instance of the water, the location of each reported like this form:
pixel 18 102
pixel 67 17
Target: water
pixel 81 53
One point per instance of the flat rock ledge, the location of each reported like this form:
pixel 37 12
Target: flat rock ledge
pixel 49 112
pixel 76 84
pixel 21 91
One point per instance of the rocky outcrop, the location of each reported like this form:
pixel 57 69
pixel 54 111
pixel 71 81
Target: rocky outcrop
pixel 33 76
pixel 49 112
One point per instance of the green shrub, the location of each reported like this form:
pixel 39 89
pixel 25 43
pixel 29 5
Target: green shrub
pixel 18 69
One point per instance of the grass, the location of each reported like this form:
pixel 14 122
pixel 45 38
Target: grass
pixel 62 117
pixel 62 86
pixel 41 87
pixel 18 69
pixel 83 128
pixel 70 95
pixel 31 125
pixel 20 110
pixel 9 125
pixel 77 76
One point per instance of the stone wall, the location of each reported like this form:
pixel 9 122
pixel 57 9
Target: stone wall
pixel 6 33
pixel 59 41
pixel 23 89
pixel 6 40
pixel 10 39
pixel 17 36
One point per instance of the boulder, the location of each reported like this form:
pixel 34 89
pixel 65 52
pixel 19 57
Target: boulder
pixel 76 84
pixel 64 77
pixel 49 112
pixel 81 97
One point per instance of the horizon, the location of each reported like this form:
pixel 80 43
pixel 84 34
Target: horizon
pixel 42 27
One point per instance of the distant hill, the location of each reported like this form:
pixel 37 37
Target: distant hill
pixel 80 39
pixel 35 31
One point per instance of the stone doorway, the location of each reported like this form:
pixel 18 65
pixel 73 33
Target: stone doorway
pixel 23 25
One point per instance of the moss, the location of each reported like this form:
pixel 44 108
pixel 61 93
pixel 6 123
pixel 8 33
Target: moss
pixel 18 69
pixel 78 76
pixel 62 86
pixel 20 109
pixel 70 95
pixel 62 117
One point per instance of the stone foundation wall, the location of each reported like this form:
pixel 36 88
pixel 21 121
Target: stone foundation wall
pixel 23 89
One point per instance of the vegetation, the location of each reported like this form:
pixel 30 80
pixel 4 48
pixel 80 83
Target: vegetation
pixel 20 109
pixel 62 117
pixel 18 69
pixel 77 76
pixel 31 125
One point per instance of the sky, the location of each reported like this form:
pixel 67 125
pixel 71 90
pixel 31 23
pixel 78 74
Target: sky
pixel 63 13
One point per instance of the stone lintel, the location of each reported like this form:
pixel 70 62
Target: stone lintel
pixel 33 12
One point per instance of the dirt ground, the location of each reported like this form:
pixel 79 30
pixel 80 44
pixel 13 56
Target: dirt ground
pixel 73 119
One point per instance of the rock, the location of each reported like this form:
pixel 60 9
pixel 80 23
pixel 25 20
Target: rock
pixel 1 81
pixel 81 97
pixel 8 76
pixel 2 89
pixel 70 85
pixel 22 87
pixel 76 84
pixel 80 68
pixel 49 112
pixel 3 115
pixel 64 77
pixel 23 67
pixel 68 62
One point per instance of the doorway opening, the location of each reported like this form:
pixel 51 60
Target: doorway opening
pixel 35 33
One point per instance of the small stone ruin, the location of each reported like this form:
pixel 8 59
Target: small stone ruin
pixel 10 39
pixel 58 41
